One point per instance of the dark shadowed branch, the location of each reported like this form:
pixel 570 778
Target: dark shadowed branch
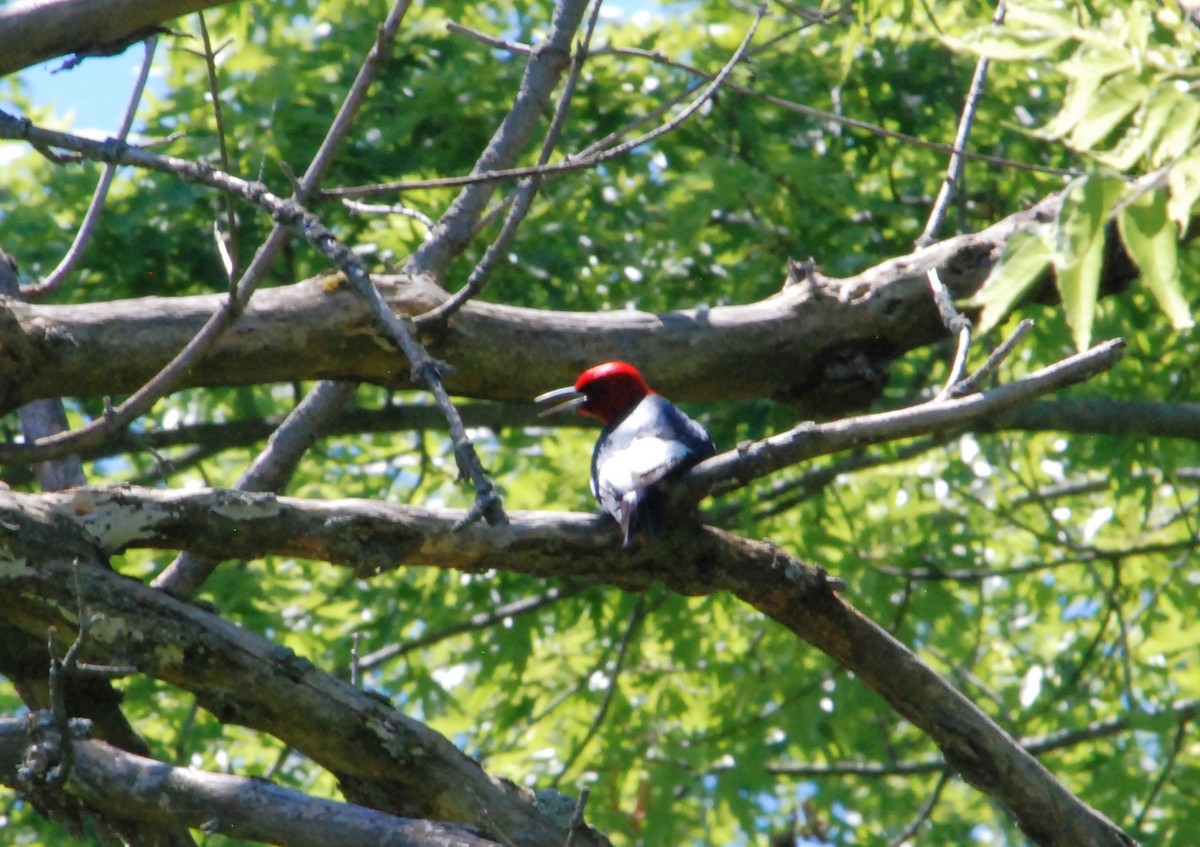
pixel 135 789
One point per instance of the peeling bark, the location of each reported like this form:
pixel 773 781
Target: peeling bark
pixel 384 759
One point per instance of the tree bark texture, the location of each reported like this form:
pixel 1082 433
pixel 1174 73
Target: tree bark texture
pixel 387 761
pixel 33 31
pixel 822 345
pixel 135 788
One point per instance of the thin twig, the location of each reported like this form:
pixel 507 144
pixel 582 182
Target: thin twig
pixel 572 164
pixel 635 619
pixel 1181 732
pixel 226 243
pixel 371 67
pixel 35 293
pixel 577 819
pixel 390 209
pixel 787 495
pixel 957 161
pixel 972 383
pixel 479 621
pixel 515 47
pixel 910 830
pixel 954 320
pixel 60 669
pixel 526 190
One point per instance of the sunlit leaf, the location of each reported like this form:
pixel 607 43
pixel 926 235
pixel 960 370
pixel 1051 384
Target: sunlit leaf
pixel 1079 249
pixel 1180 135
pixel 1149 123
pixel 1113 103
pixel 1026 256
pixel 1149 237
pixel 1184 183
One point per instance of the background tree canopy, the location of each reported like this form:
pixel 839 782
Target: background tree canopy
pixel 430 635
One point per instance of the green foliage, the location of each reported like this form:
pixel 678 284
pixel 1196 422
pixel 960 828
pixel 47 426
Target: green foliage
pixel 1130 105
pixel 1048 575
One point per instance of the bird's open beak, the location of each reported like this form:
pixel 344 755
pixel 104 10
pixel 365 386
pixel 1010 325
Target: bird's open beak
pixel 573 399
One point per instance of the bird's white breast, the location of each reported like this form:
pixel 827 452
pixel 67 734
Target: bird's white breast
pixel 642 463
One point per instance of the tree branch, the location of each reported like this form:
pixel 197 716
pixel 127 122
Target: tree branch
pixel 732 470
pixel 126 787
pixel 831 341
pixel 288 215
pixel 374 537
pixel 382 758
pixel 33 31
pixel 456 227
pixel 1086 416
pixel 56 277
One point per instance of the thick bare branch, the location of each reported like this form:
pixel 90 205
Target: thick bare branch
pixel 823 345
pixel 374 536
pixel 382 758
pixel 126 787
pixel 32 31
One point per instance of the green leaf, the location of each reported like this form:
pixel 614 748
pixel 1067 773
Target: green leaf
pixel 1080 95
pixel 1079 249
pixel 1152 119
pixel 1150 239
pixel 1098 60
pixel 1184 182
pixel 1008 45
pixel 1025 257
pixel 1113 103
pixel 1179 136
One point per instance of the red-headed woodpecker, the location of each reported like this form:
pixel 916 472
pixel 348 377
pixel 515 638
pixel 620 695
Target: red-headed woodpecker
pixel 645 439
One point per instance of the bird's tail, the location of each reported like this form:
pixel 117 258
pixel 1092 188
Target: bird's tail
pixel 642 510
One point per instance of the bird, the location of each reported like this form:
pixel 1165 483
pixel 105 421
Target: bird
pixel 645 439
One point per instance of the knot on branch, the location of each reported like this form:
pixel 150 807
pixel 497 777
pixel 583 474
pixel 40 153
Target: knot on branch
pixel 957 323
pixel 47 763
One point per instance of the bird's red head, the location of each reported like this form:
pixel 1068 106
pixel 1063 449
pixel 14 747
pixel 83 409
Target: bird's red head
pixel 605 391
pixel 612 389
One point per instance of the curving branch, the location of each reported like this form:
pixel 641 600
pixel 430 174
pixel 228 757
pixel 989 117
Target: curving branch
pixel 67 264
pixel 242 678
pixel 133 788
pixel 33 31
pixel 381 758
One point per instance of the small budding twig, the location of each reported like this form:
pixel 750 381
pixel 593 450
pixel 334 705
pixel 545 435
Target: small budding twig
pixel 971 384
pixel 955 321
